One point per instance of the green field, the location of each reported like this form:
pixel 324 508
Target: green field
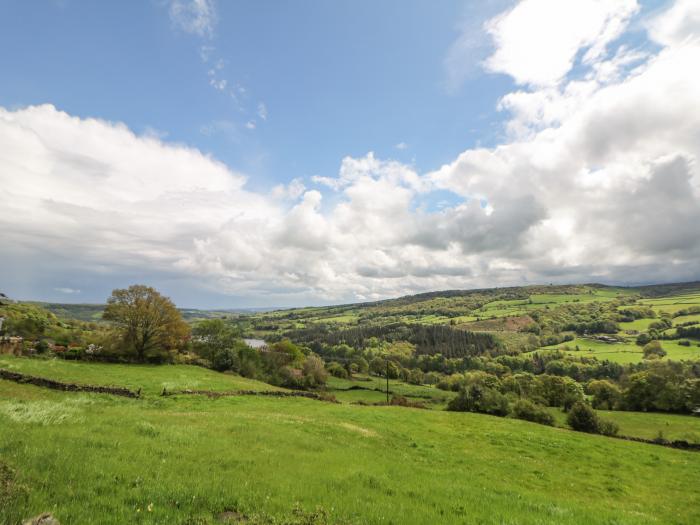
pixel 372 389
pixel 152 379
pixel 627 352
pixel 638 325
pixel 647 425
pixel 185 460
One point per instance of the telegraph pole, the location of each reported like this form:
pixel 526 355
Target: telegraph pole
pixel 387 381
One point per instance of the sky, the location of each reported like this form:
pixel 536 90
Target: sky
pixel 252 154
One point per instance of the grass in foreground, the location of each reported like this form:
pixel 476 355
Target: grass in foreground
pixel 97 458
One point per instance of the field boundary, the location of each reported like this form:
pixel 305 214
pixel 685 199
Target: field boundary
pixel 678 444
pixel 43 382
pixel 231 393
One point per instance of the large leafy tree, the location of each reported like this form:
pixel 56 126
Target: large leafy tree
pixel 149 323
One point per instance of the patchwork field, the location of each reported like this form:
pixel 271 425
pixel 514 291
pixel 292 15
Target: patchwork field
pixel 511 319
pixel 627 352
pixel 197 460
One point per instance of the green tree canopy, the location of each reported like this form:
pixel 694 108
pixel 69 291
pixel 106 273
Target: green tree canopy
pixel 148 323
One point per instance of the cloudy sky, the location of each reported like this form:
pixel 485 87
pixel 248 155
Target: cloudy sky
pixel 285 153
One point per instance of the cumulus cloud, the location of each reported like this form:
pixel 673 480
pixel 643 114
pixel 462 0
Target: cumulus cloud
pixel 538 40
pixel 598 180
pixel 678 23
pixel 608 164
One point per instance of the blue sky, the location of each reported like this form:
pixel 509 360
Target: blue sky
pixel 283 153
pixel 337 78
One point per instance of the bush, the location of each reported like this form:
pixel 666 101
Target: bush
pixel 529 411
pixel 607 428
pixel 653 350
pixel 643 339
pixel 224 359
pixel 314 372
pixel 42 347
pixel 337 370
pixel 480 399
pixel 583 418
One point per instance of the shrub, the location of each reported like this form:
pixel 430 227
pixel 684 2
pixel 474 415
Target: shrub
pixel 607 428
pixel 314 372
pixel 529 411
pixel 337 370
pixel 583 418
pixel 224 359
pixel 643 339
pixel 653 350
pixel 42 347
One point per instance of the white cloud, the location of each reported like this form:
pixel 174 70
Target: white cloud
pixel 250 124
pixel 293 190
pixel 194 16
pixel 401 146
pixel 598 180
pixel 678 23
pixel 538 40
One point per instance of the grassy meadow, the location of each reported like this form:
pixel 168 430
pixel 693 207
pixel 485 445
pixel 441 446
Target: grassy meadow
pixel 151 379
pixel 626 352
pixel 189 459
pixel 646 425
pixel 372 389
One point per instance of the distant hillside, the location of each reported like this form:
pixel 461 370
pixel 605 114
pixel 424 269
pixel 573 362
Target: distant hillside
pixel 93 312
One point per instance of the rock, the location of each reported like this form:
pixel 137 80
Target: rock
pixel 42 519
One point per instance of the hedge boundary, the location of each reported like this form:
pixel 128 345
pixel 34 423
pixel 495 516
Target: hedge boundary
pixel 230 393
pixel 43 382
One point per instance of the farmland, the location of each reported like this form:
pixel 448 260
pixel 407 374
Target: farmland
pixel 194 460
pixel 510 314
pixel 401 426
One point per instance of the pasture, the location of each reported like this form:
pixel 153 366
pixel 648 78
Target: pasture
pixel 186 460
pixel 152 379
pixel 627 352
pixel 646 425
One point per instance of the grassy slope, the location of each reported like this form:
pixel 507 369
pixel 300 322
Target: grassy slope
pixel 89 458
pixel 151 378
pixel 646 425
